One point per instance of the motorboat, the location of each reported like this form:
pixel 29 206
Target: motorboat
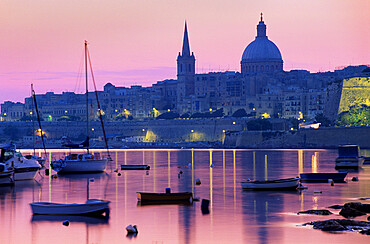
pixel 24 169
pixel 163 198
pixel 349 157
pixel 323 177
pixel 135 167
pixel 40 160
pixel 289 183
pixel 90 207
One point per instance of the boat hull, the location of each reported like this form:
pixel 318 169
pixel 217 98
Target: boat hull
pixel 134 167
pixel 79 166
pixel 25 173
pixel 179 197
pixel 91 207
pixel 291 183
pixel 323 177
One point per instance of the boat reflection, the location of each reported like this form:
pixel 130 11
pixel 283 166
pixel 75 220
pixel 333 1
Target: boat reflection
pixel 264 208
pixel 91 220
pixel 84 176
pixel 181 203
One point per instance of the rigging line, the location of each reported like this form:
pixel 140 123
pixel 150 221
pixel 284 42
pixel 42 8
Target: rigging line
pixel 79 74
pixel 97 101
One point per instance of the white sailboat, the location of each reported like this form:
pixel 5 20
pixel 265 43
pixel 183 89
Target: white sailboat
pixel 83 162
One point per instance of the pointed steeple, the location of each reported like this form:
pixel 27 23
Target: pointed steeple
pixel 261 28
pixel 185 43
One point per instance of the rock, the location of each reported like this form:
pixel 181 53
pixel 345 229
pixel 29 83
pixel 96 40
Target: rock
pixel 340 225
pixel 316 212
pixel 359 206
pixel 336 206
pixel 348 212
pixel 329 225
pixel 365 232
pixel 65 222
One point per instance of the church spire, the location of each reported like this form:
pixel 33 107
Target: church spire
pixel 261 28
pixel 185 44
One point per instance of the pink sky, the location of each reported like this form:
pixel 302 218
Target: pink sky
pixel 137 42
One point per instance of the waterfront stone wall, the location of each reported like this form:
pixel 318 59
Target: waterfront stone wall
pixel 152 130
pixel 304 138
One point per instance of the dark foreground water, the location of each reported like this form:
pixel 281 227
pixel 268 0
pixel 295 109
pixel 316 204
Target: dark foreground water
pixel 236 216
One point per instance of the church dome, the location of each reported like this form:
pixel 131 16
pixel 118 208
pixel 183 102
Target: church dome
pixel 261 55
pixel 261 49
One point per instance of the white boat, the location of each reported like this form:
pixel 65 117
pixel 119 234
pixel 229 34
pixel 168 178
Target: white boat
pixel 80 163
pixel 84 162
pixel 6 175
pixel 90 207
pixel 40 160
pixel 349 157
pixel 290 183
pixel 24 169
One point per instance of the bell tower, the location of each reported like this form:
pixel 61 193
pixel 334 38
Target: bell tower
pixel 185 69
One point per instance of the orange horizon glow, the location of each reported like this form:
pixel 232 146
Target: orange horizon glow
pixel 137 42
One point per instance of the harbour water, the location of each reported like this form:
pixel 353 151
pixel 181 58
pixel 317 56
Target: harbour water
pixel 235 216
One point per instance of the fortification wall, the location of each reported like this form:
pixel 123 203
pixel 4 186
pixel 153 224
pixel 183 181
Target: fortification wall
pixel 304 138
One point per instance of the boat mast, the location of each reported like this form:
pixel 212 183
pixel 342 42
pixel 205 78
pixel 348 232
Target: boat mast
pixel 87 99
pixel 33 122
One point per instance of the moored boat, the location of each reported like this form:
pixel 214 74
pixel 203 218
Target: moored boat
pixel 24 169
pixel 289 183
pixel 84 162
pixel 134 167
pixel 168 197
pixel 323 177
pixel 40 160
pixel 90 207
pixel 349 157
pixel 80 163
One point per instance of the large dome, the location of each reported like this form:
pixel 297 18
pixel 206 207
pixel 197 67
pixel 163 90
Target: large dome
pixel 261 55
pixel 261 49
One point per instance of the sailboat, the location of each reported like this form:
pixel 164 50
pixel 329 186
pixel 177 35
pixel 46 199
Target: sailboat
pixel 83 162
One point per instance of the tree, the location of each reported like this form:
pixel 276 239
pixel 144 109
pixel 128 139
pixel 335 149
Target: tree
pixel 168 115
pixel 185 116
pixel 259 124
pixel 320 118
pixel 356 116
pixel 218 113
pixel 240 113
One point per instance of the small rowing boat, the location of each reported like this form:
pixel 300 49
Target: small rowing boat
pixel 167 197
pixel 290 183
pixel 90 207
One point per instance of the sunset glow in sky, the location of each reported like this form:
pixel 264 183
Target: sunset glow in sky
pixel 137 42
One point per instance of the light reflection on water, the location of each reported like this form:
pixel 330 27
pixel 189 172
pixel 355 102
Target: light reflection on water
pixel 235 216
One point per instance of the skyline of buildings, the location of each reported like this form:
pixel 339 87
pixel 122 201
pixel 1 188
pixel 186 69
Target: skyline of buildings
pixel 139 48
pixel 262 88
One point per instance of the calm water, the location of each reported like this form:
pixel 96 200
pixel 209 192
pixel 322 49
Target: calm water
pixel 236 216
